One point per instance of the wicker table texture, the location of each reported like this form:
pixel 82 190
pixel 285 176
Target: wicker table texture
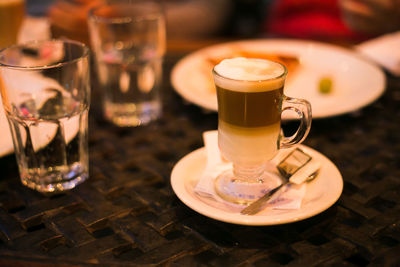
pixel 126 214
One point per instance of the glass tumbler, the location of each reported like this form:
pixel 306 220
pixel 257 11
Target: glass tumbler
pixel 45 89
pixel 128 39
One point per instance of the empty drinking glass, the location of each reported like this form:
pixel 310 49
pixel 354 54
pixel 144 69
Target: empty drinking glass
pixel 45 89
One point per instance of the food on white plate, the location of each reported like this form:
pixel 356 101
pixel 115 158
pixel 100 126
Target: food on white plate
pixel 289 61
pixel 325 85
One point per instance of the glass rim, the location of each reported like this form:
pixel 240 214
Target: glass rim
pixel 122 19
pixel 85 54
pixel 280 76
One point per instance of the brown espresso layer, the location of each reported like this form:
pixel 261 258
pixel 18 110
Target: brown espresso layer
pixel 249 109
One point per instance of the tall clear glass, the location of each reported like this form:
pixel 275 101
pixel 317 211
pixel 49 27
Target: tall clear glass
pixel 250 103
pixel 45 88
pixel 129 39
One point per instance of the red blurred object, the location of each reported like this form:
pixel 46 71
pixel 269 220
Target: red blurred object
pixel 309 19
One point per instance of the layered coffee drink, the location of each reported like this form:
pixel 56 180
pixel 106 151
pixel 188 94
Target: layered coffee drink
pixel 250 103
pixel 250 93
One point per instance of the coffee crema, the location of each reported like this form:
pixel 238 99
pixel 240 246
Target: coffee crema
pixel 251 70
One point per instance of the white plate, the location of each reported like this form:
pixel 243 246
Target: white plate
pixel 357 82
pixel 322 193
pixel 47 131
pixel 33 28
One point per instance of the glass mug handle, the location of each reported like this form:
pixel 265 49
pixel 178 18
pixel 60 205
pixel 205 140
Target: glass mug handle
pixel 303 110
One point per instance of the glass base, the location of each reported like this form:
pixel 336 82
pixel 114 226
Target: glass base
pixel 238 191
pixel 54 182
pixel 131 114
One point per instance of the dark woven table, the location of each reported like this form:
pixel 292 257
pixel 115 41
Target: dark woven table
pixel 127 214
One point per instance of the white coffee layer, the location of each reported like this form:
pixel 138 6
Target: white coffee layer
pixel 248 146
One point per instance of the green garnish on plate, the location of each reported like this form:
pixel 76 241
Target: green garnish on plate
pixel 325 85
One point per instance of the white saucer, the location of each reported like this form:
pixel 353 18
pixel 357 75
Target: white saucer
pixel 322 193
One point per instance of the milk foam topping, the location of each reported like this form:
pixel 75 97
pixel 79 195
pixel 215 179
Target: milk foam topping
pixel 249 74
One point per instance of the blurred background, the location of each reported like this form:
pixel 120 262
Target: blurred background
pixel 326 20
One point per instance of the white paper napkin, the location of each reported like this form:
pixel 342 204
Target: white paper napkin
pixel 289 197
pixel 384 50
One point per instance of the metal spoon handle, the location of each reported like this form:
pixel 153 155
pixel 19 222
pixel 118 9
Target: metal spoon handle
pixel 257 205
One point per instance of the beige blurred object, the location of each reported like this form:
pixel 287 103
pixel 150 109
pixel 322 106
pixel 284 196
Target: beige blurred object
pixel 186 19
pixel 196 18
pixel 12 13
pixel 371 16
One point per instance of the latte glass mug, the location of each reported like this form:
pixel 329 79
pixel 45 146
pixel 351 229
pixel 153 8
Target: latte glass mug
pixel 251 100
